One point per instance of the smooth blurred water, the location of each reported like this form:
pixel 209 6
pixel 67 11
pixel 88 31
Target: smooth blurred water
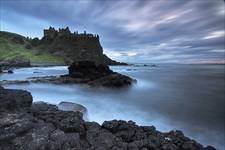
pixel 185 97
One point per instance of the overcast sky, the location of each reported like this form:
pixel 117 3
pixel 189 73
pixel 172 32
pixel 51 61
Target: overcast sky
pixel 173 31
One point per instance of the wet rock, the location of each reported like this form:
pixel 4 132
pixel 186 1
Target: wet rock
pixel 43 126
pixel 15 99
pixel 169 146
pixel 85 72
pixel 67 121
pixel 13 124
pixel 59 140
pixel 121 129
pixel 69 106
pixel 37 138
pixel 37 72
pixel 114 80
pixel 88 69
pixel 10 71
pixel 100 139
pixel 39 107
pixel 99 75
pixel 209 148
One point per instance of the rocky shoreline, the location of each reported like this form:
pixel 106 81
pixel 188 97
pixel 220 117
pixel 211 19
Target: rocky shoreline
pixel 83 72
pixel 40 126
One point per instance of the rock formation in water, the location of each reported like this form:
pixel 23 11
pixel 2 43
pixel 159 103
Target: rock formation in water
pixel 84 72
pixel 98 75
pixel 42 126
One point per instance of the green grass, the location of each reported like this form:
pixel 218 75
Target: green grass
pixel 10 50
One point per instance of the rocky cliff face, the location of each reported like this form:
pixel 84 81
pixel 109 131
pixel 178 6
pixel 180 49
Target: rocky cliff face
pixel 75 46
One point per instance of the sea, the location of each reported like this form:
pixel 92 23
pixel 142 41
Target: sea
pixel 190 98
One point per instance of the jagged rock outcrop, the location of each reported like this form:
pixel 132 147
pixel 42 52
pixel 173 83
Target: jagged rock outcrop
pixel 98 75
pixel 75 46
pixel 85 72
pixel 42 126
pixel 88 69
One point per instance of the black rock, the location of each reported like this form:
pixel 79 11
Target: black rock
pixel 98 75
pixel 88 69
pixel 43 126
pixel 15 99
pixel 10 71
pixel 114 80
pixel 69 106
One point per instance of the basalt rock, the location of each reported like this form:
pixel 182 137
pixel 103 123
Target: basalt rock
pixel 84 72
pixel 14 99
pixel 98 75
pixel 68 106
pixel 88 69
pixel 43 126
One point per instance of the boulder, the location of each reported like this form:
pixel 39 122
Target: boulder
pixel 98 75
pixel 15 99
pixel 88 69
pixel 69 106
pixel 10 71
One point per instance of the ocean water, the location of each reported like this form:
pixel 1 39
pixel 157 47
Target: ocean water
pixel 171 97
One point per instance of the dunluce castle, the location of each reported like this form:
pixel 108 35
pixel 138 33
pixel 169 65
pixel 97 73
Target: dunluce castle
pixel 52 33
pixel 75 46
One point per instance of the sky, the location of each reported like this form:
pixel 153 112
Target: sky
pixel 144 31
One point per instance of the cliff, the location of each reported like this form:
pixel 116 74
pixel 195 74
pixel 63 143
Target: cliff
pixel 75 46
pixel 63 45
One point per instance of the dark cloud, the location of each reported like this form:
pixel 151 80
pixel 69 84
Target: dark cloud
pixel 147 30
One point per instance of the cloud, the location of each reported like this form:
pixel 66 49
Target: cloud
pixel 148 30
pixel 215 34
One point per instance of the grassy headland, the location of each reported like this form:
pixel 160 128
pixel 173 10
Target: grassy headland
pixel 13 46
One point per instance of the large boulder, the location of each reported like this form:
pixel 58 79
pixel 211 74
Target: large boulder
pixel 98 75
pixel 69 106
pixel 14 99
pixel 88 69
